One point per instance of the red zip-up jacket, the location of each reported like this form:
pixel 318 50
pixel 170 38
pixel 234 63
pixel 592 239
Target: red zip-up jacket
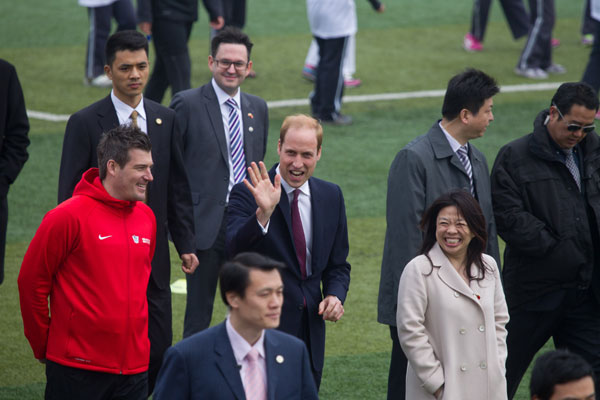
pixel 91 255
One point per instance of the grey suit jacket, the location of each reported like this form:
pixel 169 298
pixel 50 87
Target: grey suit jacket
pixel 422 171
pixel 198 118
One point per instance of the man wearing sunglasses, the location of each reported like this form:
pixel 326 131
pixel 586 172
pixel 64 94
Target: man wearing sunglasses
pixel 546 198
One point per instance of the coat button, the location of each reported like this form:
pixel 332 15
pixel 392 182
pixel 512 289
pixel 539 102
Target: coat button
pixel 456 294
pixel 483 365
pixel 463 368
pixel 462 331
pixel 481 328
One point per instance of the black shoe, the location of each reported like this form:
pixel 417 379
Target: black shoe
pixel 338 120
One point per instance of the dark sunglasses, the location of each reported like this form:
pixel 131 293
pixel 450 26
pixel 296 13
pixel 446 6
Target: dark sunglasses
pixel 575 127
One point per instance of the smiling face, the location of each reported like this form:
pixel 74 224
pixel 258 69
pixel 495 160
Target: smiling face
pixel 130 182
pixel 558 127
pixel 452 233
pixel 298 155
pixel 260 308
pixel 229 79
pixel 129 74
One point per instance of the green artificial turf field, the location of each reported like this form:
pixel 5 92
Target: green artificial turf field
pixel 412 46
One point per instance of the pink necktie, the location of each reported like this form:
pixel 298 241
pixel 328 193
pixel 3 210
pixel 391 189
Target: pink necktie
pixel 298 234
pixel 254 382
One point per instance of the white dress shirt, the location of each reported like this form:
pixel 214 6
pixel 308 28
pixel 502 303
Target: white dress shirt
pixel 241 348
pixel 222 98
pixel 453 142
pixel 124 112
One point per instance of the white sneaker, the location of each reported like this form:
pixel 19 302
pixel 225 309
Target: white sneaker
pixel 531 73
pixel 100 81
pixel 556 69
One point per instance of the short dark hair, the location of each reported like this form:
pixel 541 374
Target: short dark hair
pixel 124 40
pixel 555 368
pixel 468 90
pixel 571 93
pixel 235 274
pixel 116 143
pixel 230 35
pixel 470 210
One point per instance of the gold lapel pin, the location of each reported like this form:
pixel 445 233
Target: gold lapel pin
pixel 158 121
pixel 279 359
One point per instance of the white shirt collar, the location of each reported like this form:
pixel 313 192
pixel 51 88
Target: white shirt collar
pixel 305 188
pixel 240 346
pixel 453 142
pixel 124 110
pixel 222 96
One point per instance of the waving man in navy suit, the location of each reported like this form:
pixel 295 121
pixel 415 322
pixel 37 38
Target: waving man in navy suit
pixel 301 221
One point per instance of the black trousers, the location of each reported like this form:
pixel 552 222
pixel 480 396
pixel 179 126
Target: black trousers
pixel 234 12
pixel 591 75
pixel 3 227
pixel 79 384
pixel 570 317
pixel 100 21
pixel 202 285
pixel 160 328
pixel 172 66
pixel 514 11
pixel 329 84
pixel 537 52
pixel 398 365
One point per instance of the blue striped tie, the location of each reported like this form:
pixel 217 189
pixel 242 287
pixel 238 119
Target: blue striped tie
pixel 236 145
pixel 463 155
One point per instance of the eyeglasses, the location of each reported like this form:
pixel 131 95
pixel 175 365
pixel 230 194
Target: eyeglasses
pixel 575 127
pixel 225 64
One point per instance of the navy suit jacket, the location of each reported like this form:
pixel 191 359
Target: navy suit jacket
pixel 203 366
pixel 329 252
pixel 168 194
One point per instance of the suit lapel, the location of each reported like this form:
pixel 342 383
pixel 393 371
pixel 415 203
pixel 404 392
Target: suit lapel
pixel 151 125
pixel 272 358
pixel 317 209
pixel 248 124
pixel 442 149
pixel 213 109
pixel 227 364
pixel 107 115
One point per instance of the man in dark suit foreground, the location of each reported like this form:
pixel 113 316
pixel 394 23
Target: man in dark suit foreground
pixel 223 131
pixel 168 195
pixel 242 358
pixel 304 226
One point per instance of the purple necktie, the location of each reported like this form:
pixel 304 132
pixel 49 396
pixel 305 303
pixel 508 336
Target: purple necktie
pixel 298 233
pixel 236 145
pixel 254 383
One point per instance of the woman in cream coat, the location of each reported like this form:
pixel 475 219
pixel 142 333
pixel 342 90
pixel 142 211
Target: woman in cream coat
pixel 451 319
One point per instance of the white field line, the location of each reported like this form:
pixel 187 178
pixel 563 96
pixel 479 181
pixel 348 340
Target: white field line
pixel 534 87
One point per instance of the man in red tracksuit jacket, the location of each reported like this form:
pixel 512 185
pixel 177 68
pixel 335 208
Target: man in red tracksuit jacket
pixel 91 255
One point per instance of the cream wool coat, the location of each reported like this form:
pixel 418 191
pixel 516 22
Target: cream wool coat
pixel 449 335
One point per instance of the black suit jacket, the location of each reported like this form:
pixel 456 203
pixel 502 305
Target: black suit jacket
pixel 203 366
pixel 168 194
pixel 329 253
pixel 198 116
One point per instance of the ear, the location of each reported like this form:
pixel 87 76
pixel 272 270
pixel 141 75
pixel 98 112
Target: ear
pixel 464 115
pixel 210 61
pixel 232 299
pixel 249 68
pixel 319 153
pixel 111 167
pixel 279 147
pixel 108 72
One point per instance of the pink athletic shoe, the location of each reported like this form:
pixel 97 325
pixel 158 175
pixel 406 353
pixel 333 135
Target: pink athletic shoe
pixel 350 82
pixel 470 43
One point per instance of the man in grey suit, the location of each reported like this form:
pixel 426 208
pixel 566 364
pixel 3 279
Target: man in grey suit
pixel 432 164
pixel 224 130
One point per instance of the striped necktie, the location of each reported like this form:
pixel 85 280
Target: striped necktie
pixel 236 145
pixel 255 386
pixel 463 155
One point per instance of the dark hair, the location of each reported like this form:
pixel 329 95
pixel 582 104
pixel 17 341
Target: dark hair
pixel 116 143
pixel 230 35
pixel 235 274
pixel 469 89
pixel 571 93
pixel 555 368
pixel 470 210
pixel 124 40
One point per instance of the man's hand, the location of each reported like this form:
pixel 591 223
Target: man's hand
pixel 190 262
pixel 266 194
pixel 217 23
pixel 146 28
pixel 331 308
